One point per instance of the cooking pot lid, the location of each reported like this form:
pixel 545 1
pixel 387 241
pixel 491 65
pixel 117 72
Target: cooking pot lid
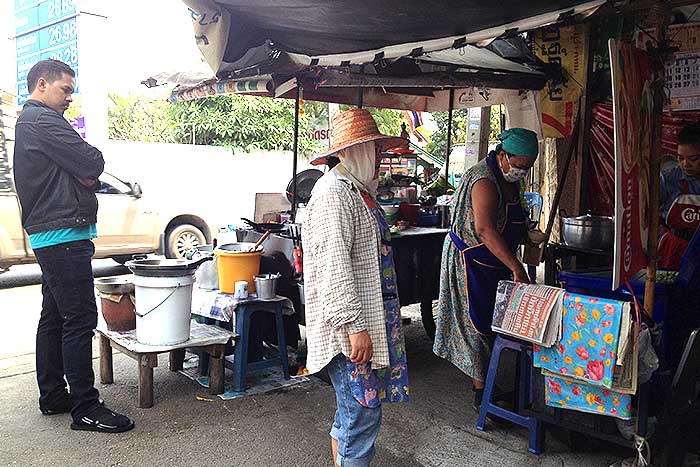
pixel 160 264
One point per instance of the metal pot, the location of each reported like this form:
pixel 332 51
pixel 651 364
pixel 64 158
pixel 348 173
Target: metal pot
pixel 266 286
pixel 164 267
pixel 588 232
pixel 117 285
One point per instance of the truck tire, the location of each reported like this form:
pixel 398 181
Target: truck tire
pixel 181 238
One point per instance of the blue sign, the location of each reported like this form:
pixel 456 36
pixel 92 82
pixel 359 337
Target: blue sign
pixel 30 15
pixel 46 29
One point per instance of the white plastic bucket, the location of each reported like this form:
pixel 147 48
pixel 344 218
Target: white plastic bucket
pixel 163 308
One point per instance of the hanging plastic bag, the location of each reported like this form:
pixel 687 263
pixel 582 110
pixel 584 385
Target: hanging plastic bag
pixel 648 361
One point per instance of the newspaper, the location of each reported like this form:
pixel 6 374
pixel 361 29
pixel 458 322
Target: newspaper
pixel 625 375
pixel 529 312
pixel 626 336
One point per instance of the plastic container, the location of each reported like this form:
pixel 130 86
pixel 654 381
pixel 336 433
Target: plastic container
pixel 163 308
pixel 118 312
pixel 236 263
pixel 207 275
pixel 599 284
pixel 428 220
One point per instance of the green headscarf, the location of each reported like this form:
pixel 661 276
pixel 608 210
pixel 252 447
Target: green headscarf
pixel 519 142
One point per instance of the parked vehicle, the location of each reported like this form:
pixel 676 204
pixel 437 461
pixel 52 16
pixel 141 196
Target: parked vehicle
pixel 127 224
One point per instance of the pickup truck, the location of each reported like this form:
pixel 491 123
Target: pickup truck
pixel 127 223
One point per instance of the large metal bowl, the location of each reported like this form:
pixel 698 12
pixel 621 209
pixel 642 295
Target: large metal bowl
pixel 588 232
pixel 116 285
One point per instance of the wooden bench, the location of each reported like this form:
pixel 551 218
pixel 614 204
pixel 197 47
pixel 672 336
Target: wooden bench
pixel 147 357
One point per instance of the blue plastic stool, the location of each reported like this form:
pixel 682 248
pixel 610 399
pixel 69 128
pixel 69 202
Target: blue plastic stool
pixel 523 391
pixel 244 312
pixel 240 350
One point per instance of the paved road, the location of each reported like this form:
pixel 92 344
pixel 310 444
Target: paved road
pixel 30 274
pixel 188 427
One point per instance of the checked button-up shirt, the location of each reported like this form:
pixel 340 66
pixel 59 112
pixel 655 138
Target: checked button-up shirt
pixel 342 281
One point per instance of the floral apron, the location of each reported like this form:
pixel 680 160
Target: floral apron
pixel 372 387
pixel 483 268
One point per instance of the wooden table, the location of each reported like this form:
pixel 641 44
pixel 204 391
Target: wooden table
pixel 210 340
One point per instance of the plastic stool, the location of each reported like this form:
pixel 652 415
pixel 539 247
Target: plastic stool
pixel 244 312
pixel 523 392
pixel 243 315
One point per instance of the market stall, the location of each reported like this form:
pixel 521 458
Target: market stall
pixel 429 72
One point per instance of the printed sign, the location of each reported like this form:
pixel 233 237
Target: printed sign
pixel 565 47
pixel 633 105
pixel 45 30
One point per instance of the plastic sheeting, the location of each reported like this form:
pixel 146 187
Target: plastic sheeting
pixel 601 166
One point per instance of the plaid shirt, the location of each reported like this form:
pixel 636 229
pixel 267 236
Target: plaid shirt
pixel 342 280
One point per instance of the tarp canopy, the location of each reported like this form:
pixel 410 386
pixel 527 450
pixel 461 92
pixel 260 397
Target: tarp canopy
pixel 267 36
pixel 404 54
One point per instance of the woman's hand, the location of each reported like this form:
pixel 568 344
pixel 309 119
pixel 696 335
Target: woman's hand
pixel 520 275
pixel 361 347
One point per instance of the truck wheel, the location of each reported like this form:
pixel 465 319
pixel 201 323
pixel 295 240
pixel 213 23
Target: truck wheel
pixel 121 259
pixel 182 238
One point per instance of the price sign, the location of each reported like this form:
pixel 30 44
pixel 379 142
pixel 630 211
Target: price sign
pixel 46 29
pixel 32 15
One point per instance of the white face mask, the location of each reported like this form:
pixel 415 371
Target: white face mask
pixel 515 174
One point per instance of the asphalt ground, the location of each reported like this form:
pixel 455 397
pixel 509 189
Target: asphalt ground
pixel 188 427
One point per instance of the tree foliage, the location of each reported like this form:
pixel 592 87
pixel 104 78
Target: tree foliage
pixel 460 122
pixel 240 122
pixel 438 140
pixel 138 119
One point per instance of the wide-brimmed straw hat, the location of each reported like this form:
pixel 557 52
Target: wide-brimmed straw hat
pixel 353 127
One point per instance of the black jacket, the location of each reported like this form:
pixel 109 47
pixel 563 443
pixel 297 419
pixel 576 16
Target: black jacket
pixel 49 158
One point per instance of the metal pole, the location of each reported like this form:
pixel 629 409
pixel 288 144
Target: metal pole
pixel 660 17
pixel 296 152
pixel 449 139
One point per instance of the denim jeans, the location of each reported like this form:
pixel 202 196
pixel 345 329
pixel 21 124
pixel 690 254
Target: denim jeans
pixel 65 331
pixel 355 427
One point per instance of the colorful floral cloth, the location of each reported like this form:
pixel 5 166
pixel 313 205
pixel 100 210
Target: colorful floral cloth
pixel 372 387
pixel 588 346
pixel 584 397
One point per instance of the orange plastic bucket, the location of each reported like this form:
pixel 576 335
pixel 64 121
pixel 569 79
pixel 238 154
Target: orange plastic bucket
pixel 236 263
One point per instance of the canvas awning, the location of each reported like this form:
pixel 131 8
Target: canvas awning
pixel 240 37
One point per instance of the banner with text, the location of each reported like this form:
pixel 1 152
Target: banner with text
pixel 633 105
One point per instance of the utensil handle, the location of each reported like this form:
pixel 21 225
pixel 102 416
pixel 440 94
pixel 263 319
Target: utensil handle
pixel 262 239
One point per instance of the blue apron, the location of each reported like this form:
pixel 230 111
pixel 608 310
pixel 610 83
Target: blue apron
pixel 373 387
pixel 483 268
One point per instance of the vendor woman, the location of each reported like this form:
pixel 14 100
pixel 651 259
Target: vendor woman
pixel 680 199
pixel 488 224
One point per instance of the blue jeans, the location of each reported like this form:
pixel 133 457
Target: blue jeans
pixel 355 427
pixel 64 334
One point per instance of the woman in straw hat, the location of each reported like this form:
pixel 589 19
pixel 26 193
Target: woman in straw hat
pixel 353 321
pixel 488 224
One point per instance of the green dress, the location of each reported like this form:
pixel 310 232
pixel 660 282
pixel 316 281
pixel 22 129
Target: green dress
pixel 456 339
